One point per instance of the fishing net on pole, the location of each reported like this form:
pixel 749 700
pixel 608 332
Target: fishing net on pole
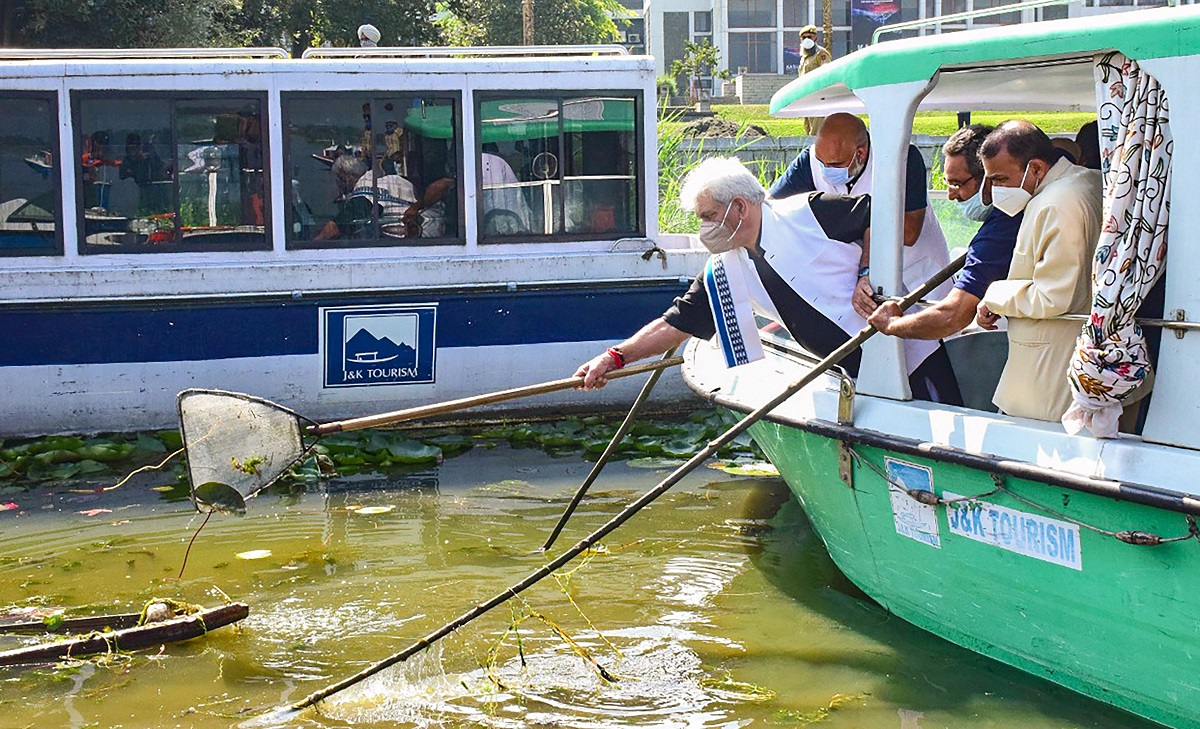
pixel 237 445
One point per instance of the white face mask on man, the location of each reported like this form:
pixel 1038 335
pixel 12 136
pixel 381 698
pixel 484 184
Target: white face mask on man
pixel 715 236
pixel 808 44
pixel 1011 200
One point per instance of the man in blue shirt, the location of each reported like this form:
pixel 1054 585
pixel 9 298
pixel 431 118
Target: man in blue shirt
pixel 988 255
pixel 839 161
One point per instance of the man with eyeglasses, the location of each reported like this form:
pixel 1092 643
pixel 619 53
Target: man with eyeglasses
pixel 988 255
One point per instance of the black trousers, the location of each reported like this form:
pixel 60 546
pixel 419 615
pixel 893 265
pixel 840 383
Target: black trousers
pixel 934 380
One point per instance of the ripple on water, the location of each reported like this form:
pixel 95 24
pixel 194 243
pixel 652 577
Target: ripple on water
pixel 661 684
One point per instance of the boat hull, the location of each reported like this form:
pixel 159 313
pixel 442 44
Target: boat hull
pixel 117 365
pixel 1011 575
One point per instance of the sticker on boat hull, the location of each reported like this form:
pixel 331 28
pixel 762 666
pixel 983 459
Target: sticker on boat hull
pixel 378 345
pixel 1032 535
pixel 913 519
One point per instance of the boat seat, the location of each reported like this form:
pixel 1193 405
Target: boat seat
pixel 978 359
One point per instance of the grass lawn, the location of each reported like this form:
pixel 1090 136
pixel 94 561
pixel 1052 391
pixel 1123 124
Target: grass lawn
pixel 934 123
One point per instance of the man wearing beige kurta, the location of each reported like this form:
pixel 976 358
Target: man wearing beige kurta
pixel 1051 266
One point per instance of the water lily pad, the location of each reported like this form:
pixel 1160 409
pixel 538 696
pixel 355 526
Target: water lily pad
pixel 254 554
pixel 219 497
pixel 368 510
pixel 106 452
pixel 413 451
pixel 451 443
pixel 170 438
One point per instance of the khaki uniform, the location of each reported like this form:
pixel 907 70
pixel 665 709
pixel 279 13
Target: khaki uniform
pixel 1050 275
pixel 811 62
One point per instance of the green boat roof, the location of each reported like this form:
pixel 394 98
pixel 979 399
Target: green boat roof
pixel 1155 33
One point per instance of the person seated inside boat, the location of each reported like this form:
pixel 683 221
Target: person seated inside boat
pixel 1050 273
pixel 795 260
pixel 402 213
pixel 1088 141
pixel 988 254
pixel 840 161
pixel 505 211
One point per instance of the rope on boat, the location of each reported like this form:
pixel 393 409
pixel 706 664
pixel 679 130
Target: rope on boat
pixel 929 498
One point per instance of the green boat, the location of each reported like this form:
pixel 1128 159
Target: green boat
pixel 1071 557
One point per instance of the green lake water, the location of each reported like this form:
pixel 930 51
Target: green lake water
pixel 716 607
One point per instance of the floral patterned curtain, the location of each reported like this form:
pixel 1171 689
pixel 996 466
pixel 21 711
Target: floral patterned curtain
pixel 1111 358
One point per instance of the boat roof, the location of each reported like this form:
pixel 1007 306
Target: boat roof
pixel 991 69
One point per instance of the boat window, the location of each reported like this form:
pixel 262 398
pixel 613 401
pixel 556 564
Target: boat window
pixel 554 166
pixel 372 169
pixel 165 173
pixel 29 197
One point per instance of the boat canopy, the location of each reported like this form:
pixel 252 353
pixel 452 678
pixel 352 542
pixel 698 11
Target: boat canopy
pixel 998 60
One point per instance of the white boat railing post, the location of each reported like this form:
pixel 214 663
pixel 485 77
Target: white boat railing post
pixel 891 109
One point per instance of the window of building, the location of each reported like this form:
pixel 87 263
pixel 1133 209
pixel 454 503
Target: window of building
pixel 702 21
pixel 555 165
pixel 372 169
pixel 753 51
pixel 167 172
pixel 29 173
pixel 795 13
pixel 751 13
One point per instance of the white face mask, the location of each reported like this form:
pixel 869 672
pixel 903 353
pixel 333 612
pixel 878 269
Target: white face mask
pixel 808 44
pixel 716 237
pixel 973 208
pixel 1011 200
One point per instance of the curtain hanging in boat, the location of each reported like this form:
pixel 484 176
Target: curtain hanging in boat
pixel 1111 358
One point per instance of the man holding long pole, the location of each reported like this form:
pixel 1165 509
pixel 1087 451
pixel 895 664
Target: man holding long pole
pixel 795 260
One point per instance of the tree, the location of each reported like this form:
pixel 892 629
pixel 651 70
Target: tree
pixel 699 59
pixel 293 24
pixel 111 23
pixel 555 22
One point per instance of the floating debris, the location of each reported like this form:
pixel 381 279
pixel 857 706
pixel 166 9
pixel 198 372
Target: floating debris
pixel 369 510
pixel 254 554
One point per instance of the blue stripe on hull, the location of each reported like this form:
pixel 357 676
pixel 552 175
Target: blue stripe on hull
pixel 179 331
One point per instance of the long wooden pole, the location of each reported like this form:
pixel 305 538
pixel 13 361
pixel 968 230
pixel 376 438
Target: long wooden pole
pixel 441 408
pixel 626 424
pixel 645 500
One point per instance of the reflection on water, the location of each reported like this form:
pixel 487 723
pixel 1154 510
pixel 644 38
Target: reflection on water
pixel 717 607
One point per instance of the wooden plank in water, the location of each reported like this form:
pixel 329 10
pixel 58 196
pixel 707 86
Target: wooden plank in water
pixel 130 639
pixel 74 625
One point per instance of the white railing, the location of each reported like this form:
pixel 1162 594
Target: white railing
pixel 969 15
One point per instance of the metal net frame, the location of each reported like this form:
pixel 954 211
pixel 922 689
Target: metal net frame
pixel 237 445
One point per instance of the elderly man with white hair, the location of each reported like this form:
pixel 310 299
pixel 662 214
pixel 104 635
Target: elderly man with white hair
pixel 794 260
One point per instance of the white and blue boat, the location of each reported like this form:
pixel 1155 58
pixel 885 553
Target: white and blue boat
pixel 179 219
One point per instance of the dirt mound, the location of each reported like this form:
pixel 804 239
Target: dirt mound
pixel 715 126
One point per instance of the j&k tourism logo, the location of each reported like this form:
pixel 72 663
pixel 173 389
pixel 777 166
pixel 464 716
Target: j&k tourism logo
pixel 378 345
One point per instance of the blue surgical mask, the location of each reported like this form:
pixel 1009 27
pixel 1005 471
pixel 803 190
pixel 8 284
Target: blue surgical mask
pixel 836 175
pixel 973 208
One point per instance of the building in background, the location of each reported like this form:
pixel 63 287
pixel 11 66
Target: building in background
pixel 759 40
pixel 633 35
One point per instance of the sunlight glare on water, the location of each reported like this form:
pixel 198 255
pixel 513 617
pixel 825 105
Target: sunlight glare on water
pixel 716 607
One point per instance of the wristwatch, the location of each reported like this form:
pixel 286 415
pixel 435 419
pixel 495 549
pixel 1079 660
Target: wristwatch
pixel 865 270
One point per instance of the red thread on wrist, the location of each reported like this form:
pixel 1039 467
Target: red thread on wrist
pixel 617 355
